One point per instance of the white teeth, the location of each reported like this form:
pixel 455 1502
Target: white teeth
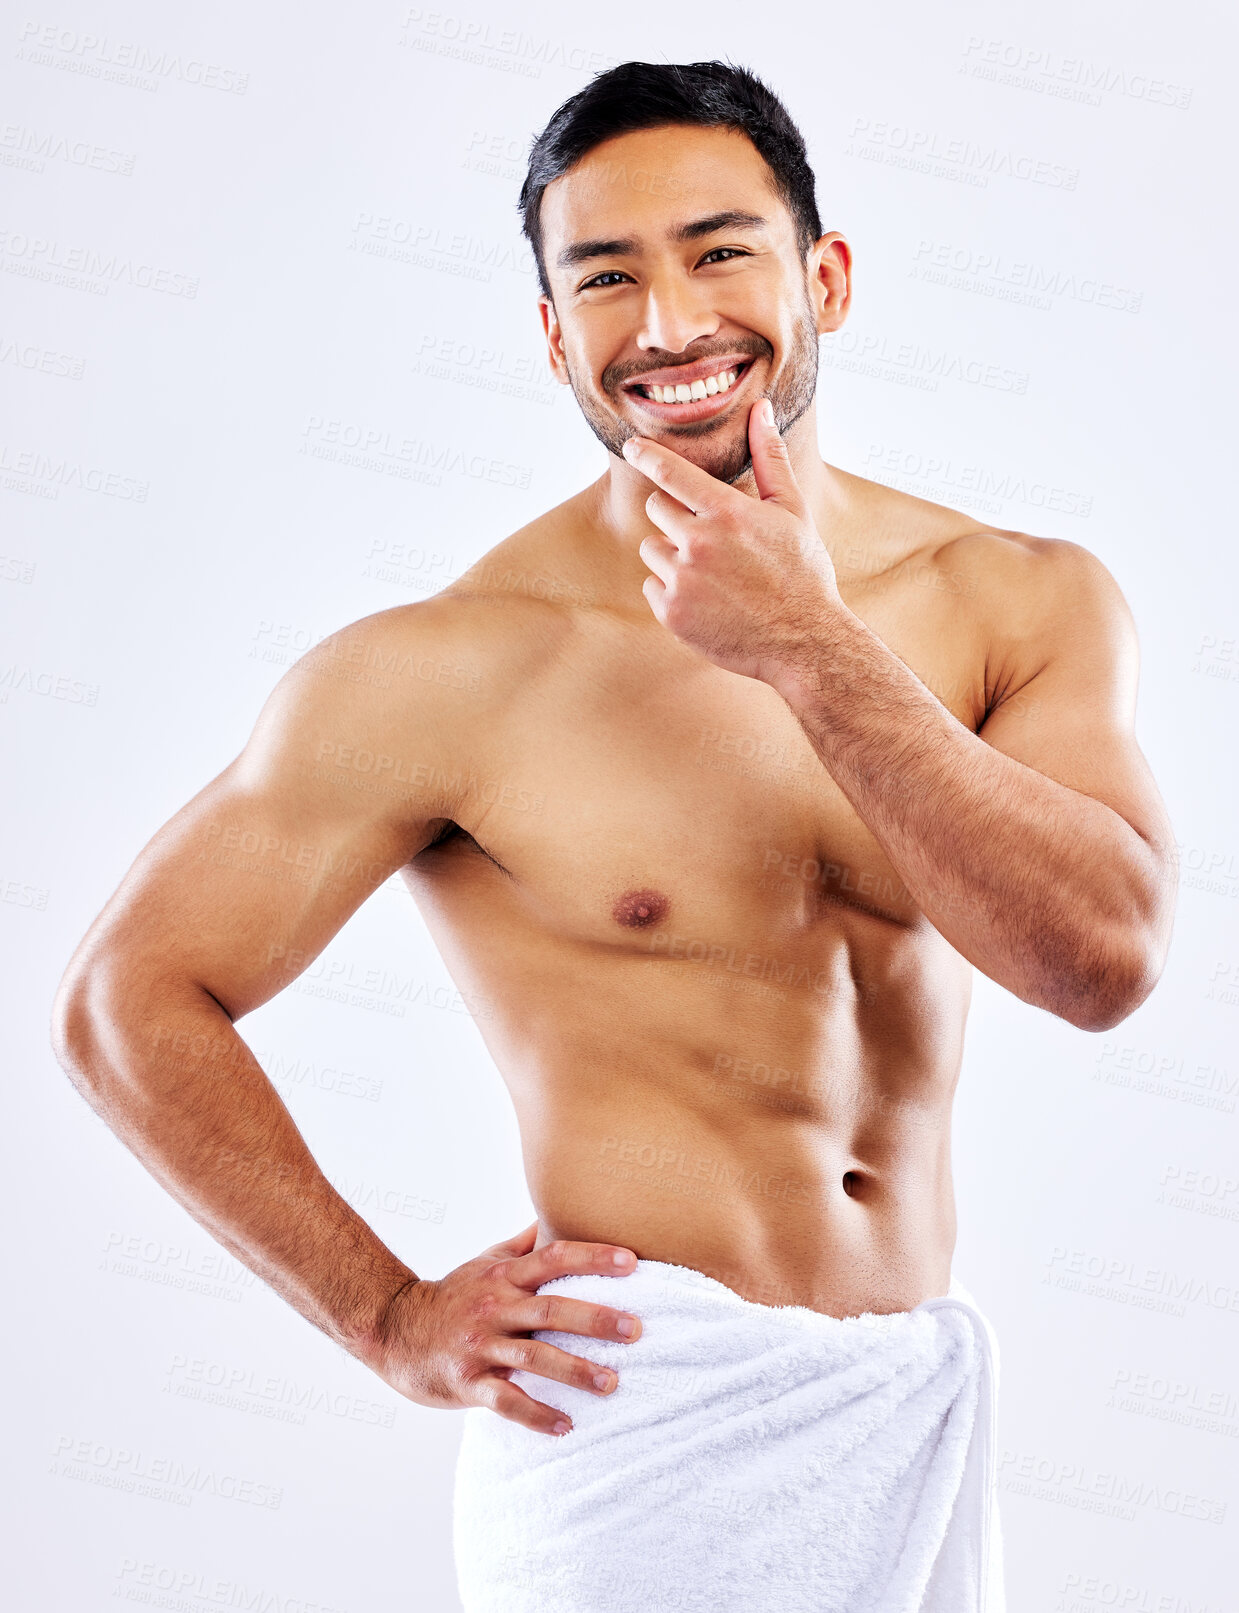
pixel 693 392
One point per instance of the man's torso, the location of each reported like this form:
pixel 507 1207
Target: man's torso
pixel 730 1037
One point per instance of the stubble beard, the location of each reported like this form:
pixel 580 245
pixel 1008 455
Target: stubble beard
pixel 792 393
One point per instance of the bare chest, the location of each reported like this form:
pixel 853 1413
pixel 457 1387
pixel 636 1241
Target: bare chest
pixel 634 791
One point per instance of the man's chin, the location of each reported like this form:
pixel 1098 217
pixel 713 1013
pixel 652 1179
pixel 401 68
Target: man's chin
pixel 721 454
pixel 724 464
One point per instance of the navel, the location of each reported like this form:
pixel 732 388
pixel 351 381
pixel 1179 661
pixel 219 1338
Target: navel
pixel 636 910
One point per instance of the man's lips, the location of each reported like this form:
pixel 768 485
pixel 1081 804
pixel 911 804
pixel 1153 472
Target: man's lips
pixel 686 374
pixel 700 408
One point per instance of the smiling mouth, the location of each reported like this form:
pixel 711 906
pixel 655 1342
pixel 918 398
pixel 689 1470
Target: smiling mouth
pixel 721 380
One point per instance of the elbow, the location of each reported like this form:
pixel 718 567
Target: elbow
pixel 1102 1014
pixel 72 1022
pixel 1118 986
pixel 79 1018
pixel 1126 968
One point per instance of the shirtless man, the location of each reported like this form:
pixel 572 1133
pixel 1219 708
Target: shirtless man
pixel 738 765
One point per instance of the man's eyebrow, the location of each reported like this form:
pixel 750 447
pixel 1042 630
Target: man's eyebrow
pixel 731 218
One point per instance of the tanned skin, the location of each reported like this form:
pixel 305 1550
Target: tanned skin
pixel 713 785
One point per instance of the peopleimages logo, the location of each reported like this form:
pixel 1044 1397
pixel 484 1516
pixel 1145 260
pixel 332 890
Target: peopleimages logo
pixel 32 149
pixel 899 467
pixel 138 1579
pixel 1131 1283
pixel 1069 77
pixel 1074 1484
pixel 1096 1593
pixel 38 258
pixel 164 1478
pixel 877 355
pixel 508 49
pixel 974 162
pixel 991 274
pixel 56 472
pixel 121 61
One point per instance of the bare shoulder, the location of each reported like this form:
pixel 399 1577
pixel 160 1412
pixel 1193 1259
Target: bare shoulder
pixel 1056 627
pixel 515 611
pixel 1030 581
pixel 1057 635
pixel 1022 602
pixel 429 673
pixel 494 620
pixel 958 553
pixel 1030 572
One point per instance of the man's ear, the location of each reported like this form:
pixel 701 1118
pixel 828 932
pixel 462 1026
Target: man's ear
pixel 554 339
pixel 829 272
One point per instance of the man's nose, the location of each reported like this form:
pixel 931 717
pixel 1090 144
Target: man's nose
pixel 675 316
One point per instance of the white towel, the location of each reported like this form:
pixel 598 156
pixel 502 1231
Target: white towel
pixel 752 1457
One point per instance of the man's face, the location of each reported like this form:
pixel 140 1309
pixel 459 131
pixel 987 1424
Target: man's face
pixel 673 264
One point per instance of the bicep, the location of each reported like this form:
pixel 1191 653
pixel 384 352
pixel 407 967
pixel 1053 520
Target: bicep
pixel 1068 708
pixel 249 881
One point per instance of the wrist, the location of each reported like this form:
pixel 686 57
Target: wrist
pixel 791 675
pixel 796 671
pixel 372 1342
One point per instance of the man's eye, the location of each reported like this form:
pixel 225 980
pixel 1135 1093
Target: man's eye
pixel 735 252
pixel 599 279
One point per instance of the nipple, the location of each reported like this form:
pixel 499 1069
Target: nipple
pixel 636 910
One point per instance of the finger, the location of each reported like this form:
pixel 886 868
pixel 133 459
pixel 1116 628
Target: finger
pixel 670 516
pixel 565 1257
pixel 772 465
pixel 521 1244
pixel 556 1313
pixel 548 1361
pixel 695 488
pixel 655 592
pixel 659 555
pixel 512 1403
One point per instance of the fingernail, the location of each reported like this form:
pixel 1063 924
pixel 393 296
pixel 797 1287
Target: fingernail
pixel 627 1326
pixel 621 1257
pixel 631 447
pixel 767 412
pixel 602 1380
pixel 561 1427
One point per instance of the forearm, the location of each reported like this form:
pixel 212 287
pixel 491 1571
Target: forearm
pixel 1041 887
pixel 166 1070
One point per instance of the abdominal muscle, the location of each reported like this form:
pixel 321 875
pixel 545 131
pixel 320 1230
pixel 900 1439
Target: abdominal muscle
pixel 815 1173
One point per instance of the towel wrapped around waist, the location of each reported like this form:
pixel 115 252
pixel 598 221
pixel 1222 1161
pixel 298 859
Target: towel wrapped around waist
pixel 751 1457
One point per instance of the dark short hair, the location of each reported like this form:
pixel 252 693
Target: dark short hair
pixel 646 95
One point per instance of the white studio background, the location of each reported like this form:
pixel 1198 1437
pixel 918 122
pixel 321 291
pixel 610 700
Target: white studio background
pixel 236 243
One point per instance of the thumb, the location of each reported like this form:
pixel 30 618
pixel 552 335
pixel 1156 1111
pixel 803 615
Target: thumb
pixel 772 466
pixel 523 1242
